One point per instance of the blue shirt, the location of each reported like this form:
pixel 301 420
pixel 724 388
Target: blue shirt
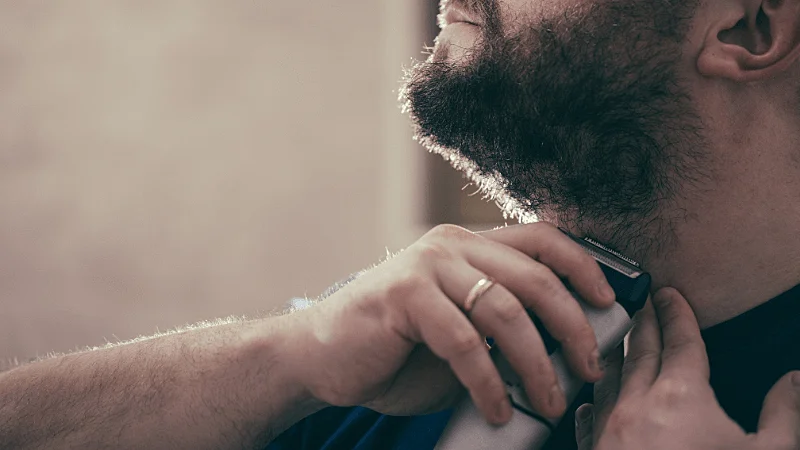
pixel 362 429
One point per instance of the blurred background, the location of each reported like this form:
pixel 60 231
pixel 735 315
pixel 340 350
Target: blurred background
pixel 164 162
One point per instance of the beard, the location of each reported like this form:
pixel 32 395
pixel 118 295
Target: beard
pixel 581 120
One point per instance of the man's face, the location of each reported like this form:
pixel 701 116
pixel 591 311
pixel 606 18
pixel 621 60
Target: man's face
pixel 572 110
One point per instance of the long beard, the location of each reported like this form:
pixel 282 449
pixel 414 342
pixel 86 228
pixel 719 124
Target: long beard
pixel 580 119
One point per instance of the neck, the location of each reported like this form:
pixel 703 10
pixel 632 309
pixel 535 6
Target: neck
pixel 736 245
pixel 727 264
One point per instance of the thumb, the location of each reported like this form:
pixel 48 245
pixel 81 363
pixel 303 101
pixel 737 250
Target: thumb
pixel 425 385
pixel 779 424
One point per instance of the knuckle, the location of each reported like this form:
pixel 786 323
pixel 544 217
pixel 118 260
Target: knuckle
pixel 588 261
pixel 673 392
pixel 583 263
pixel 544 369
pixel 545 279
pixel 489 382
pixel 448 231
pixel 465 342
pixel 507 309
pixel 433 251
pixel 544 246
pixel 669 315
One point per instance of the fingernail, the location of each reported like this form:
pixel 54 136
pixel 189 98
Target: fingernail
pixel 594 362
pixel 556 400
pixel 796 379
pixel 606 292
pixel 584 414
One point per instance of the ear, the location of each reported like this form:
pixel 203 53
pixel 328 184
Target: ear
pixel 751 40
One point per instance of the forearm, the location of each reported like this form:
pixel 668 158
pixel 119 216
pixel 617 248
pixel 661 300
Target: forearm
pixel 219 387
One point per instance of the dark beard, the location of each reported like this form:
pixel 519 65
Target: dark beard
pixel 580 120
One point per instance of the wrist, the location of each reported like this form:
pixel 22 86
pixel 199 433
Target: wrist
pixel 270 351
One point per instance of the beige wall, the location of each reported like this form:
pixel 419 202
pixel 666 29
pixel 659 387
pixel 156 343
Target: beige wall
pixel 163 162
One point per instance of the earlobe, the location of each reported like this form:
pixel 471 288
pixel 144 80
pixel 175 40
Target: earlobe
pixel 753 41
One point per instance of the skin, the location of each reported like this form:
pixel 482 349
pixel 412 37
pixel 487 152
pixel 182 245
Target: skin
pixel 202 388
pixel 738 66
pixel 415 348
pixel 665 373
pixel 396 339
pixel 746 222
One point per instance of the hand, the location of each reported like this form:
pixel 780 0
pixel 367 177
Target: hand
pixel 660 397
pixel 396 339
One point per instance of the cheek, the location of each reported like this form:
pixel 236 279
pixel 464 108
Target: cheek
pixel 459 39
pixel 516 13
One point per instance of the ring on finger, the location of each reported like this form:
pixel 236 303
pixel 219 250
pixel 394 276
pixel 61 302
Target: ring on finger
pixel 481 287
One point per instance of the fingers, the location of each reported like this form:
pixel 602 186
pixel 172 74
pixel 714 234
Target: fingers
pixel 451 337
pixel 607 390
pixel 684 352
pixel 547 244
pixel 541 291
pixel 510 257
pixel 643 361
pixel 584 421
pixel 499 314
pixel 779 424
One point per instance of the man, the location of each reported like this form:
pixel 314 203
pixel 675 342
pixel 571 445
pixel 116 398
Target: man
pixel 665 129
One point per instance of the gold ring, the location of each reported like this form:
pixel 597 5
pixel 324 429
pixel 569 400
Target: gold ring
pixel 477 291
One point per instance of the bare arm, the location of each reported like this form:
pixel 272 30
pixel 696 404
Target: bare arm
pixel 216 387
